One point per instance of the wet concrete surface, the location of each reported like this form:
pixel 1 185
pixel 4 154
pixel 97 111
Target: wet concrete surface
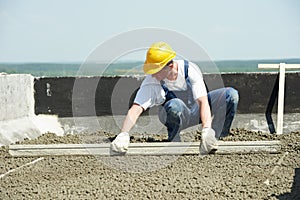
pixel 236 176
pixel 150 123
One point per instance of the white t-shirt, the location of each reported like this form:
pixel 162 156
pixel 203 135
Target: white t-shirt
pixel 151 92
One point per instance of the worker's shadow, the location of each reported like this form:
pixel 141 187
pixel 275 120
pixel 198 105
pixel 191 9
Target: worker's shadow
pixel 295 193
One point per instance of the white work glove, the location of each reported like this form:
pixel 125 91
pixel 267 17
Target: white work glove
pixel 121 143
pixel 209 141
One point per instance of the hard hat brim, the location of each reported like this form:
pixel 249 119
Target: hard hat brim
pixel 152 68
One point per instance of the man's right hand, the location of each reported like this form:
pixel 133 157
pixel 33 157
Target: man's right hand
pixel 121 143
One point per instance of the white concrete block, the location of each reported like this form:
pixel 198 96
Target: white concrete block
pixel 16 96
pixel 17 118
pixel 18 129
pixel 48 123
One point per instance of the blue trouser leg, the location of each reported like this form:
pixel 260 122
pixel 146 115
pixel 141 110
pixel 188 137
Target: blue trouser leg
pixel 223 103
pixel 175 115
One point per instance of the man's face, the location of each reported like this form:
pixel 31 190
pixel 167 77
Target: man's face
pixel 162 74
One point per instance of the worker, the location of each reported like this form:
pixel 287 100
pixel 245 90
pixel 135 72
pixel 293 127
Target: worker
pixel 177 86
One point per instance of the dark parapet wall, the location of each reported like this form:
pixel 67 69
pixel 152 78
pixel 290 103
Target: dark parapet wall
pixel 255 90
pixel 83 96
pixel 53 96
pixel 90 96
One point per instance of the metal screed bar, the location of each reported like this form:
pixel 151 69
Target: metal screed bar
pixel 156 148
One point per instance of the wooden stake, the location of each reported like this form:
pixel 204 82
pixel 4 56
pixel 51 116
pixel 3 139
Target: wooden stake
pixel 280 110
pixel 280 98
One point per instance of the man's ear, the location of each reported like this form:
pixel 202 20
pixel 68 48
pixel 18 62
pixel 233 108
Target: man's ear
pixel 174 65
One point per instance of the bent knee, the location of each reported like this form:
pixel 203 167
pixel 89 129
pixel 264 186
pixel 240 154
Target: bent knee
pixel 232 94
pixel 173 114
pixel 174 105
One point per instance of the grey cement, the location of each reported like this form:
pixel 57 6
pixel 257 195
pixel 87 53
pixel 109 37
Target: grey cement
pixel 17 116
pixel 257 122
pixel 16 96
pixel 150 124
pixel 31 127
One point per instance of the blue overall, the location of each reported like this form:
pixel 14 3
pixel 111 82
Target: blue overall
pixel 180 111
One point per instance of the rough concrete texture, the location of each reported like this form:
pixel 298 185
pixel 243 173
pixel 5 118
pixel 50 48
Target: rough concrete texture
pixel 151 123
pixel 258 122
pixel 17 117
pixel 16 96
pixel 247 176
pixel 28 127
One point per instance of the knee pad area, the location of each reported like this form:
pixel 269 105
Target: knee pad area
pixel 232 95
pixel 173 114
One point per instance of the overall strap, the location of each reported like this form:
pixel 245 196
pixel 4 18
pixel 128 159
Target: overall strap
pixel 186 73
pixel 168 94
pixel 186 69
pixel 188 94
pixel 187 79
pixel 186 76
pixel 163 85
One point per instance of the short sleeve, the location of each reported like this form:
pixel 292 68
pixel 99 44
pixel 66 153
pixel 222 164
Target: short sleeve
pixel 197 82
pixel 150 94
pixel 143 97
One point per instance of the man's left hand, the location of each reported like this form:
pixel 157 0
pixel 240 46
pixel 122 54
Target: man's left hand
pixel 209 141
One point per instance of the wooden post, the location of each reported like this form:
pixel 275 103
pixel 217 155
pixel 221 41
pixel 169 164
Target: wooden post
pixel 282 67
pixel 280 105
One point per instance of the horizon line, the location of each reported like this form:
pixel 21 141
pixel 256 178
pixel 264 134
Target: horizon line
pixel 132 60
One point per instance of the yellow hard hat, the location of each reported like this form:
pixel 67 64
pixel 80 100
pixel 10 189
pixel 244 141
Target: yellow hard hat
pixel 158 55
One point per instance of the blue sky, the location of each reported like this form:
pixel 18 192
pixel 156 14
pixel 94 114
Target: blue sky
pixel 68 30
